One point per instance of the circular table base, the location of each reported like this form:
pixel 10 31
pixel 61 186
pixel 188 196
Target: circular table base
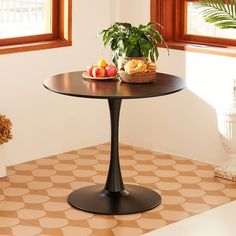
pixel 133 199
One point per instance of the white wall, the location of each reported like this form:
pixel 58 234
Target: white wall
pixel 184 123
pixel 46 123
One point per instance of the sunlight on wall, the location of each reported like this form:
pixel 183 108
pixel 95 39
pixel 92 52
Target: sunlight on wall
pixel 210 77
pixel 184 123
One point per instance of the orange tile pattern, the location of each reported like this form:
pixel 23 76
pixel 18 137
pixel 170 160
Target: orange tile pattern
pixel 33 198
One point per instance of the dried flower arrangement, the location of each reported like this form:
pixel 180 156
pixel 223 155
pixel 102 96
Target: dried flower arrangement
pixel 5 129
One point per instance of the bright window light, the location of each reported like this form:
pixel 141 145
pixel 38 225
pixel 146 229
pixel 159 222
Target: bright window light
pixel 25 18
pixel 197 26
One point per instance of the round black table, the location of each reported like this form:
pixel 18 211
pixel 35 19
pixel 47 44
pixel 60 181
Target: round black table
pixel 114 197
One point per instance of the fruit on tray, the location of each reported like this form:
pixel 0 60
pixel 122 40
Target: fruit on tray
pixel 102 69
pixel 110 70
pixel 98 72
pixel 102 63
pixel 90 69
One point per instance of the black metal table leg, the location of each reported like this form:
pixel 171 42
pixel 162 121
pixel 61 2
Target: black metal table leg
pixel 114 198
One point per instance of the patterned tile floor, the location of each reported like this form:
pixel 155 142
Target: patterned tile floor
pixel 33 198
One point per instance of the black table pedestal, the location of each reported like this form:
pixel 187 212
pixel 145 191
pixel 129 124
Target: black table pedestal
pixel 114 198
pixel 133 199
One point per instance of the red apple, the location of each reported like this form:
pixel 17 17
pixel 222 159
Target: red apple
pixel 90 69
pixel 110 70
pixel 98 72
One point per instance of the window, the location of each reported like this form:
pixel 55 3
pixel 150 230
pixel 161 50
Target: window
pixel 195 25
pixel 34 24
pixel 184 28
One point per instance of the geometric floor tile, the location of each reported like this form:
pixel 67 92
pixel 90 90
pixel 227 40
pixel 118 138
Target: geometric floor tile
pixel 33 197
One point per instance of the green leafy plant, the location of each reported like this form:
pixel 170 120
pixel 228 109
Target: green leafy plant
pixel 221 13
pixel 130 41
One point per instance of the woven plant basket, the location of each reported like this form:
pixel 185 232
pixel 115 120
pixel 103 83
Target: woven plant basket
pixel 138 78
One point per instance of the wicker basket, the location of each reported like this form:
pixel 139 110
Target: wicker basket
pixel 138 78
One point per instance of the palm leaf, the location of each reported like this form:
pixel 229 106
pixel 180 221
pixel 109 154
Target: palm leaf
pixel 221 13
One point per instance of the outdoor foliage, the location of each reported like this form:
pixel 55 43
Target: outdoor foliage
pixel 221 13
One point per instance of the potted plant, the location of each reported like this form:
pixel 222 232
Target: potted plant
pixel 5 136
pixel 129 41
pixel 132 49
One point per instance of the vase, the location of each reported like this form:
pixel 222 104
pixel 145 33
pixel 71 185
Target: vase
pixel 227 129
pixel 3 171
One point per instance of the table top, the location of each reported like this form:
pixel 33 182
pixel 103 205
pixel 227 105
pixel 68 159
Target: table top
pixel 73 84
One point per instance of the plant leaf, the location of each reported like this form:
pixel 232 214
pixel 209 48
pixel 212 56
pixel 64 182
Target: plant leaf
pixel 221 13
pixel 125 39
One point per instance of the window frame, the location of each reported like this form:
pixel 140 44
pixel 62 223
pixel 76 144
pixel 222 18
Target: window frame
pixel 61 35
pixel 174 27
